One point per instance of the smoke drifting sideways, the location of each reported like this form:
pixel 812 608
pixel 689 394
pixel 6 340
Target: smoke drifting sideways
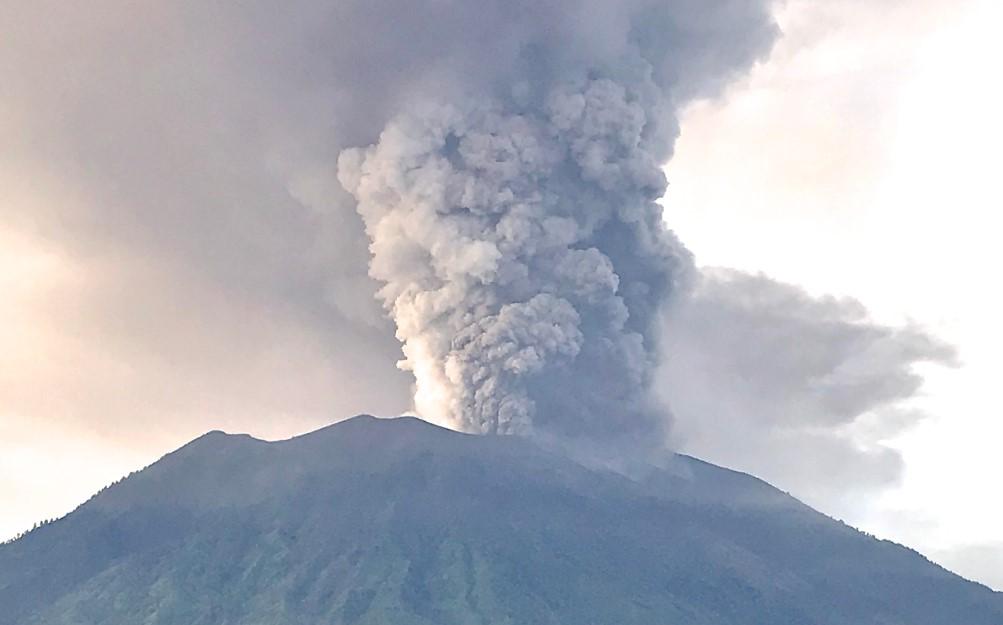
pixel 511 204
pixel 806 392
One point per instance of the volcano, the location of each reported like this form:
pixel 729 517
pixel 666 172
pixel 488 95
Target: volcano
pixel 395 521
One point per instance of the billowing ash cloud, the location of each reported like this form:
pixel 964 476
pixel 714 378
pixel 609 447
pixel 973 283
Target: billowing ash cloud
pixel 182 165
pixel 513 219
pixel 523 256
pixel 173 171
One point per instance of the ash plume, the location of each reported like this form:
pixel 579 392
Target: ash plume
pixel 510 201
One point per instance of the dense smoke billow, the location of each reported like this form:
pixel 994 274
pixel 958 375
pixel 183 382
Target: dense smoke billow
pixel 171 207
pixel 504 155
pixel 512 213
pixel 523 256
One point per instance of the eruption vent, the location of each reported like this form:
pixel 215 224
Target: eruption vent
pixel 513 216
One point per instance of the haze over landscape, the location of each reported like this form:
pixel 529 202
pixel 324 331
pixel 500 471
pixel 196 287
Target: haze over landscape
pixel 236 217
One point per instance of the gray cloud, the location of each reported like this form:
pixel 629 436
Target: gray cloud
pixel 798 389
pixel 513 217
pixel 187 153
pixel 182 161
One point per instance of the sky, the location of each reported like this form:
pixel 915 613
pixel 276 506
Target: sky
pixel 854 162
pixel 859 163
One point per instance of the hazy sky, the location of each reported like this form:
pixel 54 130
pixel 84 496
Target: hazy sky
pixel 860 161
pixel 855 162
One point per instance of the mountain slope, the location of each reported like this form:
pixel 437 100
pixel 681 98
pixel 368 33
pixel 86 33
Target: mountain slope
pixel 396 521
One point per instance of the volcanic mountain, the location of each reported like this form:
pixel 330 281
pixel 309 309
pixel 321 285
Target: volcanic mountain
pixel 398 522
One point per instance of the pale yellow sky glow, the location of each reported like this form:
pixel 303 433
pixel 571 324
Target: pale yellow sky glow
pixel 858 160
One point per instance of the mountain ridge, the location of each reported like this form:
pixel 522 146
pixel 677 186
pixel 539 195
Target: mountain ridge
pixel 396 520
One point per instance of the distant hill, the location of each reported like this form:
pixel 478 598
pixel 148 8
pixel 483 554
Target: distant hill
pixel 397 522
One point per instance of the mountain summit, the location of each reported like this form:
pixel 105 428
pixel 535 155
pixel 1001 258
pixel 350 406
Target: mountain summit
pixel 398 522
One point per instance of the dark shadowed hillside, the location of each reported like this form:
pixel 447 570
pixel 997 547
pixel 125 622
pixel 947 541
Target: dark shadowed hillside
pixel 398 522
